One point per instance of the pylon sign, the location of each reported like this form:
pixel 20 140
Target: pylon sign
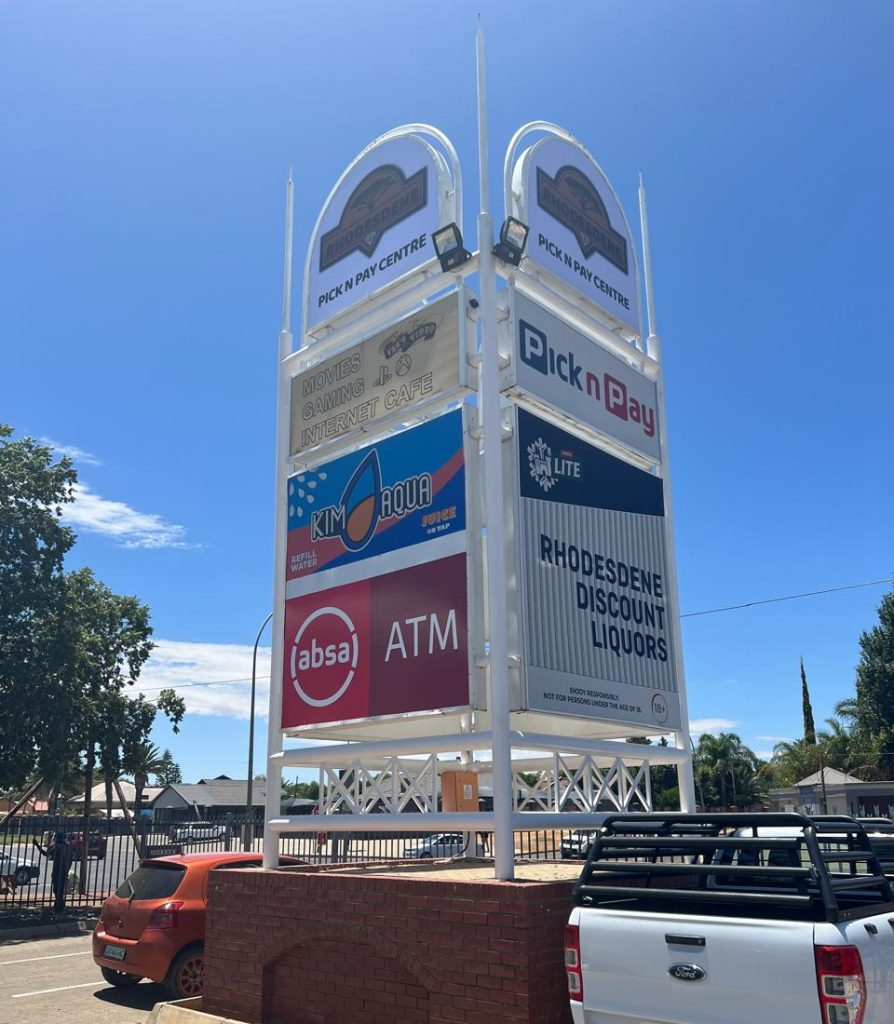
pixel 578 231
pixel 376 225
pixel 596 607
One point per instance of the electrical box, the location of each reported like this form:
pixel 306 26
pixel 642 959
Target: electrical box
pixel 459 791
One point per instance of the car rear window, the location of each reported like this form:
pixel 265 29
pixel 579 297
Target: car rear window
pixel 152 882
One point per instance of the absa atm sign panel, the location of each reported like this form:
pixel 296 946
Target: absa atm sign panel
pixel 597 631
pixel 391 645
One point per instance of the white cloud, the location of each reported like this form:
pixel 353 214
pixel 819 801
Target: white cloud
pixel 713 725
pixel 115 519
pixel 74 453
pixel 181 666
pixel 774 739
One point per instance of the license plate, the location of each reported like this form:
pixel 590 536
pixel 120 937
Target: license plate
pixel 115 952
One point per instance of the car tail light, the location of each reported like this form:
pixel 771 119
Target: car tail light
pixel 842 984
pixel 167 915
pixel 572 963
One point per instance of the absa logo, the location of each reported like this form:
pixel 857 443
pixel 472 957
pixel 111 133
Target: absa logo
pixel 324 656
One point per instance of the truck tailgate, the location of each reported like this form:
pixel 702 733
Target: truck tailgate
pixel 753 969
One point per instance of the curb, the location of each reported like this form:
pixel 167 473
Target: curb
pixel 44 931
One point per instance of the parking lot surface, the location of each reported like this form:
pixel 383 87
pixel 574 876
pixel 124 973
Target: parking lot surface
pixel 56 979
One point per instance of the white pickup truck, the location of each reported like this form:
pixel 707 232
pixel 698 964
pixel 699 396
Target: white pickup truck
pixel 731 919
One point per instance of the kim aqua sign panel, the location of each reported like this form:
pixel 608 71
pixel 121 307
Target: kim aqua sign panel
pixel 371 510
pixel 596 614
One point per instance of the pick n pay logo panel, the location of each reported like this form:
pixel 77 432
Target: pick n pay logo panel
pixel 576 375
pixel 404 490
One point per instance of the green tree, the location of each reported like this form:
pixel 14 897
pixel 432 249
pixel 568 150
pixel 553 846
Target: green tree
pixel 663 778
pixel 301 790
pixel 33 544
pixel 169 773
pixel 806 708
pixel 875 686
pixel 726 771
pixel 69 647
pixel 142 759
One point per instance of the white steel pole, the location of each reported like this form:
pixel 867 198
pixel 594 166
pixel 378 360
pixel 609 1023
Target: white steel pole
pixel 681 736
pixel 489 397
pixel 274 719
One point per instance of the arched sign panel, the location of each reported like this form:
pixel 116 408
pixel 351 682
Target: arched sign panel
pixel 578 230
pixel 377 224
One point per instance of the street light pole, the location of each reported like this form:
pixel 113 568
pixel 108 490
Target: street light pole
pixel 248 832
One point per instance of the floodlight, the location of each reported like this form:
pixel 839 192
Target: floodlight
pixel 448 242
pixel 513 238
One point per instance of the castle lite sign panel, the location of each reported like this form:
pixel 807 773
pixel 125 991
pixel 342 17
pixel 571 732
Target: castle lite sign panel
pixel 596 607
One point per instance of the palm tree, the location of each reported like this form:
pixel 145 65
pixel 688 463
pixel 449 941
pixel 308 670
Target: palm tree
pixel 141 760
pixel 724 759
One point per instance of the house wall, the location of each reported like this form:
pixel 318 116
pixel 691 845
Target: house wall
pixel 314 946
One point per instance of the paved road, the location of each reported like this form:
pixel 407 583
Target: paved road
pixel 55 979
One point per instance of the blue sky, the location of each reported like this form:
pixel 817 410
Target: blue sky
pixel 143 150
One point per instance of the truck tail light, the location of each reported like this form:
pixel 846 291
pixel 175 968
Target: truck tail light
pixel 166 916
pixel 572 963
pixel 842 984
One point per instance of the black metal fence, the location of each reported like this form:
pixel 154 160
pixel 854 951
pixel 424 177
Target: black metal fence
pixel 113 851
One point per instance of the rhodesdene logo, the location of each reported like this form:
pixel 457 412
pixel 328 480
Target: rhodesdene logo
pixel 546 469
pixel 365 501
pixel 572 199
pixel 536 352
pixel 324 656
pixel 383 198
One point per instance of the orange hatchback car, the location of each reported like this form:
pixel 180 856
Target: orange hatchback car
pixel 154 925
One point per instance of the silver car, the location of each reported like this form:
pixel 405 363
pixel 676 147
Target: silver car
pixel 441 844
pixel 23 871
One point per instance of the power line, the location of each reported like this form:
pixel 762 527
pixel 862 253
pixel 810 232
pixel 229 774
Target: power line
pixel 788 597
pixel 685 615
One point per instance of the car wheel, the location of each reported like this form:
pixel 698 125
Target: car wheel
pixel 23 875
pixel 425 856
pixel 184 980
pixel 118 978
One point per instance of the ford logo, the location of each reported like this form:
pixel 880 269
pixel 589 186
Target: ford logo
pixel 687 972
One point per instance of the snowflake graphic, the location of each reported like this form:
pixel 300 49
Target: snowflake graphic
pixel 540 463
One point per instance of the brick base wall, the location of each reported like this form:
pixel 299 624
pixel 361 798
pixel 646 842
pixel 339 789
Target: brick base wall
pixel 311 946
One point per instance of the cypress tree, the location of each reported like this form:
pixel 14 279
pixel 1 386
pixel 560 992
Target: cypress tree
pixel 806 709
